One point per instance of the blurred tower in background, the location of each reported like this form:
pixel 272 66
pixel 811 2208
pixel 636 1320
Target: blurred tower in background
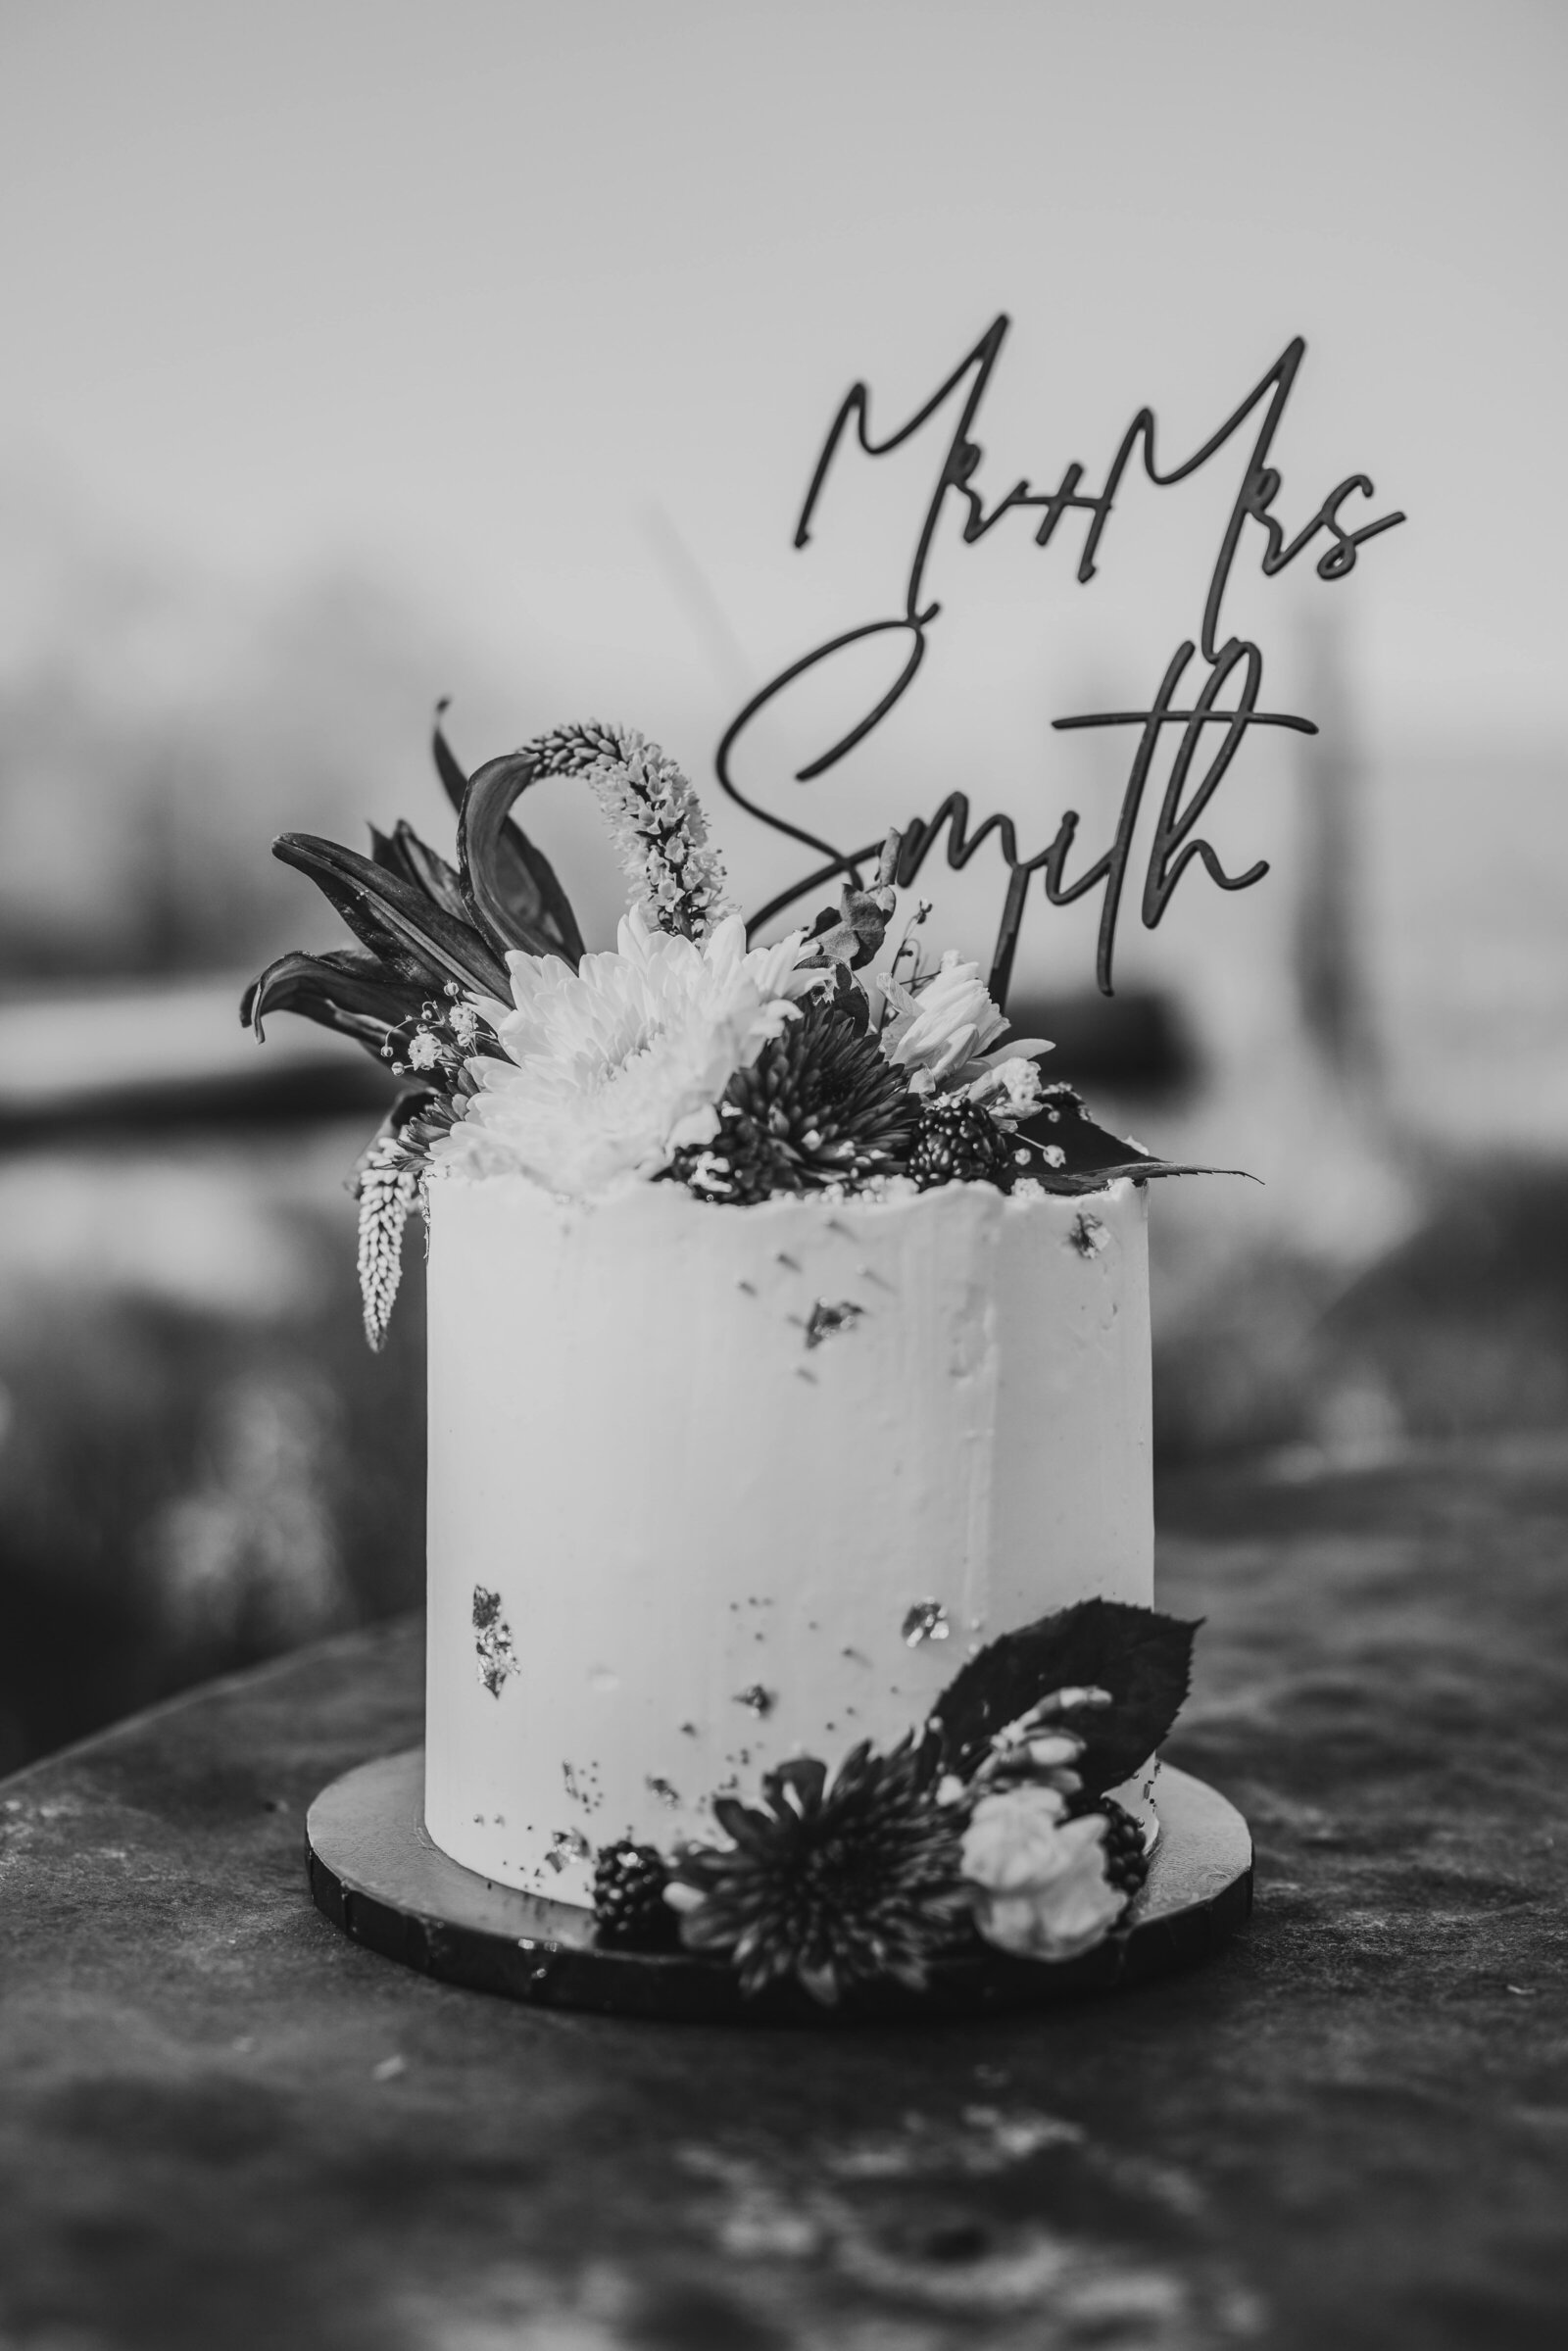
pixel 1329 945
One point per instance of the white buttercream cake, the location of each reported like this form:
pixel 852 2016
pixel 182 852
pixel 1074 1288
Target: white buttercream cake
pixel 714 1486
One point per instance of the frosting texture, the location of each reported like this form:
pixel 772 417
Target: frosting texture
pixel 710 1486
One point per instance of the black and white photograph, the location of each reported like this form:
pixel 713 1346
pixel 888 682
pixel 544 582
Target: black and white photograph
pixel 783 1175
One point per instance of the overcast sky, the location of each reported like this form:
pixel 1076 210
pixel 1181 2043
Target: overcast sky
pixel 541 311
pixel 477 288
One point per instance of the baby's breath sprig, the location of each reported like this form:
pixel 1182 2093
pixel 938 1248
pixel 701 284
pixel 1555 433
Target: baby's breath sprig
pixel 439 1044
pixel 655 818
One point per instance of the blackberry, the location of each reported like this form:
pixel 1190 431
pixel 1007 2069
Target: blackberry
pixel 1126 1862
pixel 629 1906
pixel 958 1142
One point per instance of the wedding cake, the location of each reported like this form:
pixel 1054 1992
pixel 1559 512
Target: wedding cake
pixel 790 1526
pixel 710 1489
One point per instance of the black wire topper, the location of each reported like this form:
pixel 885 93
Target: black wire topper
pixel 1175 843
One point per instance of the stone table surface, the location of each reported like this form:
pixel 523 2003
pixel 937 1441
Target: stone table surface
pixel 222 2125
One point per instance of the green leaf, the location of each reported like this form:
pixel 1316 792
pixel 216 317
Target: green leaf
pixel 510 884
pixel 395 919
pixel 1142 1657
pixel 345 988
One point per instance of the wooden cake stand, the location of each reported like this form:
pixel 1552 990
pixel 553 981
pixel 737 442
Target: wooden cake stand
pixel 375 1873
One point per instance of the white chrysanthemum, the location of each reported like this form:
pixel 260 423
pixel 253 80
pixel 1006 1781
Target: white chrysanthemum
pixel 944 1031
pixel 1036 1878
pixel 614 1066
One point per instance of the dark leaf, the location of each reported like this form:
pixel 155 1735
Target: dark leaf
pixel 415 862
pixel 529 904
pixel 1091 1156
pixel 851 1000
pixel 379 908
pixel 510 884
pixel 383 944
pixel 388 854
pixel 345 988
pixel 431 873
pixel 852 935
pixel 808 1777
pixel 1095 1179
pixel 454 782
pixel 1142 1657
pixel 424 1117
pixel 753 1831
pixel 408 1108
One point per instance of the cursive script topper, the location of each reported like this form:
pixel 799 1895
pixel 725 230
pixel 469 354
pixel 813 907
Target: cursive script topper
pixel 1198 766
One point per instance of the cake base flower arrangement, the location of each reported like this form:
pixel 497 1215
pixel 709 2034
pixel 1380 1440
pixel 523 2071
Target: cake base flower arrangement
pixel 788 1340
pixel 971 1832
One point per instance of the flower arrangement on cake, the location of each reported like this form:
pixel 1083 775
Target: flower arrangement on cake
pixel 993 1823
pixel 831 1065
pixel 679 1056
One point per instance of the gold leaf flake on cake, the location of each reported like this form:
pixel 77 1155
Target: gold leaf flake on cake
pixel 926 1620
pixel 566 1846
pixel 495 1659
pixel 829 1318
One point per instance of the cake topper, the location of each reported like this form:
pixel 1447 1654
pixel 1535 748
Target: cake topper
pixel 1176 844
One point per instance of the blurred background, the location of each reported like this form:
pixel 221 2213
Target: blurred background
pixel 364 354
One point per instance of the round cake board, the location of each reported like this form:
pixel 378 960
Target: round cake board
pixel 375 1873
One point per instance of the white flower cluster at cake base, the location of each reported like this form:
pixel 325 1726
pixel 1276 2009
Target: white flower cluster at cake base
pixel 1039 1873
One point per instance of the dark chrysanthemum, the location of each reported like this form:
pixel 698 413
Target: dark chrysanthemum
pixel 835 1885
pixel 958 1141
pixel 629 1906
pixel 821 1105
